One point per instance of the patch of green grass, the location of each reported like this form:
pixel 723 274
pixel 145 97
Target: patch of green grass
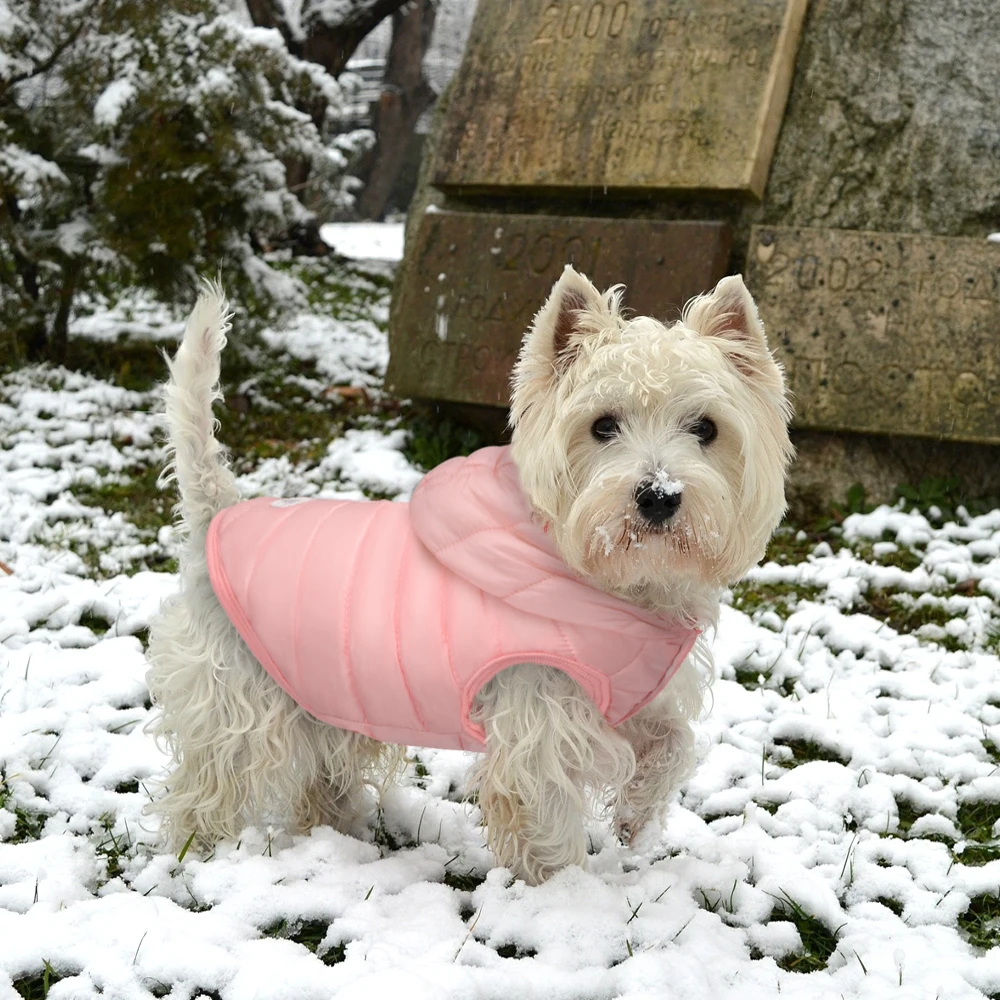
pixel 890 904
pixel 27 824
pixel 753 679
pixel 28 827
pixel 946 494
pixel 136 495
pixel 793 542
pixel 752 596
pixel 804 751
pixel 435 439
pixel 907 616
pixel 904 558
pixel 515 951
pixel 991 644
pixel 384 839
pixel 37 987
pixel 908 815
pixel 131 364
pixel 338 286
pixel 981 921
pixel 309 934
pixel 715 900
pixel 113 848
pixel 95 623
pixel 818 941
pixel 977 855
pixel 278 418
pixel 464 881
pixel 976 821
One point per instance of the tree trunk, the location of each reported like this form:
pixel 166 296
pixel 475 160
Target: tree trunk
pixel 328 43
pixel 59 339
pixel 405 96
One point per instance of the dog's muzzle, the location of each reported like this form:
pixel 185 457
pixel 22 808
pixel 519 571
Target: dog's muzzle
pixel 656 505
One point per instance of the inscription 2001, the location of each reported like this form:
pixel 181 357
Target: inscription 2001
pixel 884 332
pixel 475 281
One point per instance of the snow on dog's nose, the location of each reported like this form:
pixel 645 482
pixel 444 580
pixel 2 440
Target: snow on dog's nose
pixel 657 501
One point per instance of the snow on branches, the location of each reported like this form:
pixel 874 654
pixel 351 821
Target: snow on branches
pixel 146 143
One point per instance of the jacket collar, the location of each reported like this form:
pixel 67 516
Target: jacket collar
pixel 472 515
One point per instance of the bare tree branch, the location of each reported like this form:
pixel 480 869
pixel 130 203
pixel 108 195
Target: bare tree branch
pixel 58 48
pixel 333 31
pixel 271 14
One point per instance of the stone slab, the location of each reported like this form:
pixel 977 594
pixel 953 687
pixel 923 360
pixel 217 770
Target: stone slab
pixel 620 94
pixel 886 333
pixel 474 282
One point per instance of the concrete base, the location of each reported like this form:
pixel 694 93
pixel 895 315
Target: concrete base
pixel 828 465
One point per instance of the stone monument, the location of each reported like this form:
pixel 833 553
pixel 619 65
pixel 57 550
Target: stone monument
pixel 857 209
pixel 561 116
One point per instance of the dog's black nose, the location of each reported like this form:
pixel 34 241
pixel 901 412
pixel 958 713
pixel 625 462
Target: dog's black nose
pixel 657 502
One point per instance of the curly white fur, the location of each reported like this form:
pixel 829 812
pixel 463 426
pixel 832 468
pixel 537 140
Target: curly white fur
pixel 244 751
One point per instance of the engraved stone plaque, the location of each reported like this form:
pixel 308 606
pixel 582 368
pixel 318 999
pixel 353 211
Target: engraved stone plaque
pixel 475 281
pixel 887 333
pixel 620 94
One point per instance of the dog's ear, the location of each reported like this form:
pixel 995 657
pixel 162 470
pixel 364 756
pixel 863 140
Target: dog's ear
pixel 573 309
pixel 729 314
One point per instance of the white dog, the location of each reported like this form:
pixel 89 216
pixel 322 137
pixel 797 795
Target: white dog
pixel 542 602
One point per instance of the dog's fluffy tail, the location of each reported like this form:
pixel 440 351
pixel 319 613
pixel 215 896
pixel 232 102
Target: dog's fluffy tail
pixel 196 460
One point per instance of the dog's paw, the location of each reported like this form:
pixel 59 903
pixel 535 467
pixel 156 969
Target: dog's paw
pixel 628 824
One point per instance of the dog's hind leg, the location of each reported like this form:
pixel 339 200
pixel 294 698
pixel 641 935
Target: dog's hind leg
pixel 200 678
pixel 336 767
pixel 548 749
pixel 244 750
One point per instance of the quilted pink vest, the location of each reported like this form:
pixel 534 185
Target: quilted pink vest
pixel 386 618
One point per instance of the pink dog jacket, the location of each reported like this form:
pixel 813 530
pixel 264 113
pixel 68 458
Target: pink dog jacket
pixel 387 618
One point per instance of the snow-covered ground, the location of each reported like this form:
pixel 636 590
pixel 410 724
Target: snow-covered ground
pixel 836 841
pixel 365 240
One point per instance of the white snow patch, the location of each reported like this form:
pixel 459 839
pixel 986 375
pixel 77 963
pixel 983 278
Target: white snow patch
pixel 365 240
pixel 112 102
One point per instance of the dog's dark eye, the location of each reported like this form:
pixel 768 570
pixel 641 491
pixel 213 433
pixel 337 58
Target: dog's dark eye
pixel 605 428
pixel 705 430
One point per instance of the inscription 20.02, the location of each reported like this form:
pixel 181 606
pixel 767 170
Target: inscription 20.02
pixel 810 272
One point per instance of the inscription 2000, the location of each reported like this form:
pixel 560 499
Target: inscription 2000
pixel 633 94
pixel 884 332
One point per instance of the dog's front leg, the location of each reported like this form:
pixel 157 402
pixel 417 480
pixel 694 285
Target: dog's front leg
pixel 663 742
pixel 546 746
